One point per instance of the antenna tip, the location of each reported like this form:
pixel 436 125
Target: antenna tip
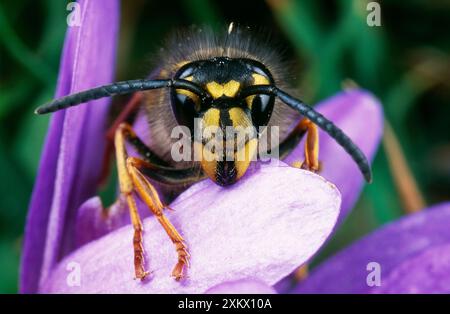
pixel 368 177
pixel 40 110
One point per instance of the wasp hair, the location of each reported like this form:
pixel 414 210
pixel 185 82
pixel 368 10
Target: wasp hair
pixel 119 88
pixel 318 119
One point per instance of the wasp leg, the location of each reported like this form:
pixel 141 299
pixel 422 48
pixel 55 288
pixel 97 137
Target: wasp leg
pixel 165 175
pixel 291 140
pixel 311 161
pixel 126 189
pixel 149 195
pixel 130 107
pixel 311 146
pixel 132 179
pixel 156 168
pixel 141 148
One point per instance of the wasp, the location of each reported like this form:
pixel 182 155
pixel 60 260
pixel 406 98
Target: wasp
pixel 224 81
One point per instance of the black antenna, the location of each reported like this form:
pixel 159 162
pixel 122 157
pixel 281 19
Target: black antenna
pixel 119 88
pixel 318 119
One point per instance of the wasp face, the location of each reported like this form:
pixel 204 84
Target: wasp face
pixel 226 129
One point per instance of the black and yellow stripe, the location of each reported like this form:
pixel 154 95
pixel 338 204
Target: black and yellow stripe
pixel 225 160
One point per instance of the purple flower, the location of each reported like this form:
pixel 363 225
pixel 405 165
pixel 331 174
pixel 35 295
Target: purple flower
pixel 413 256
pixel 243 238
pixel 75 137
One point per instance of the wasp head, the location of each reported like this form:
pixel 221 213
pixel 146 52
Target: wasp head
pixel 225 125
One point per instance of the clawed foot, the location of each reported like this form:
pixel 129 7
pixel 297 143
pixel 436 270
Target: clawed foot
pixel 183 261
pixel 142 275
pixel 306 166
pixel 311 168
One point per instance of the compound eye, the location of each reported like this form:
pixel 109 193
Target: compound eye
pixel 185 106
pixel 261 107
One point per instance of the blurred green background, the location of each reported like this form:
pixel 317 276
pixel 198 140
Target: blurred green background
pixel 405 62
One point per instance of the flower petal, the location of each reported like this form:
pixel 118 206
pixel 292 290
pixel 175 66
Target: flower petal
pixel 359 114
pixel 232 233
pixel 86 62
pixel 93 222
pixel 430 269
pixel 244 286
pixel 412 241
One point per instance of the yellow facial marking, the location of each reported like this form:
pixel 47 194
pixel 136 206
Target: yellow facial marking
pixel 241 148
pixel 242 158
pixel 204 153
pixel 211 118
pixel 228 89
pixel 245 153
pixel 239 118
pixel 258 79
pixel 207 159
pixel 248 153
